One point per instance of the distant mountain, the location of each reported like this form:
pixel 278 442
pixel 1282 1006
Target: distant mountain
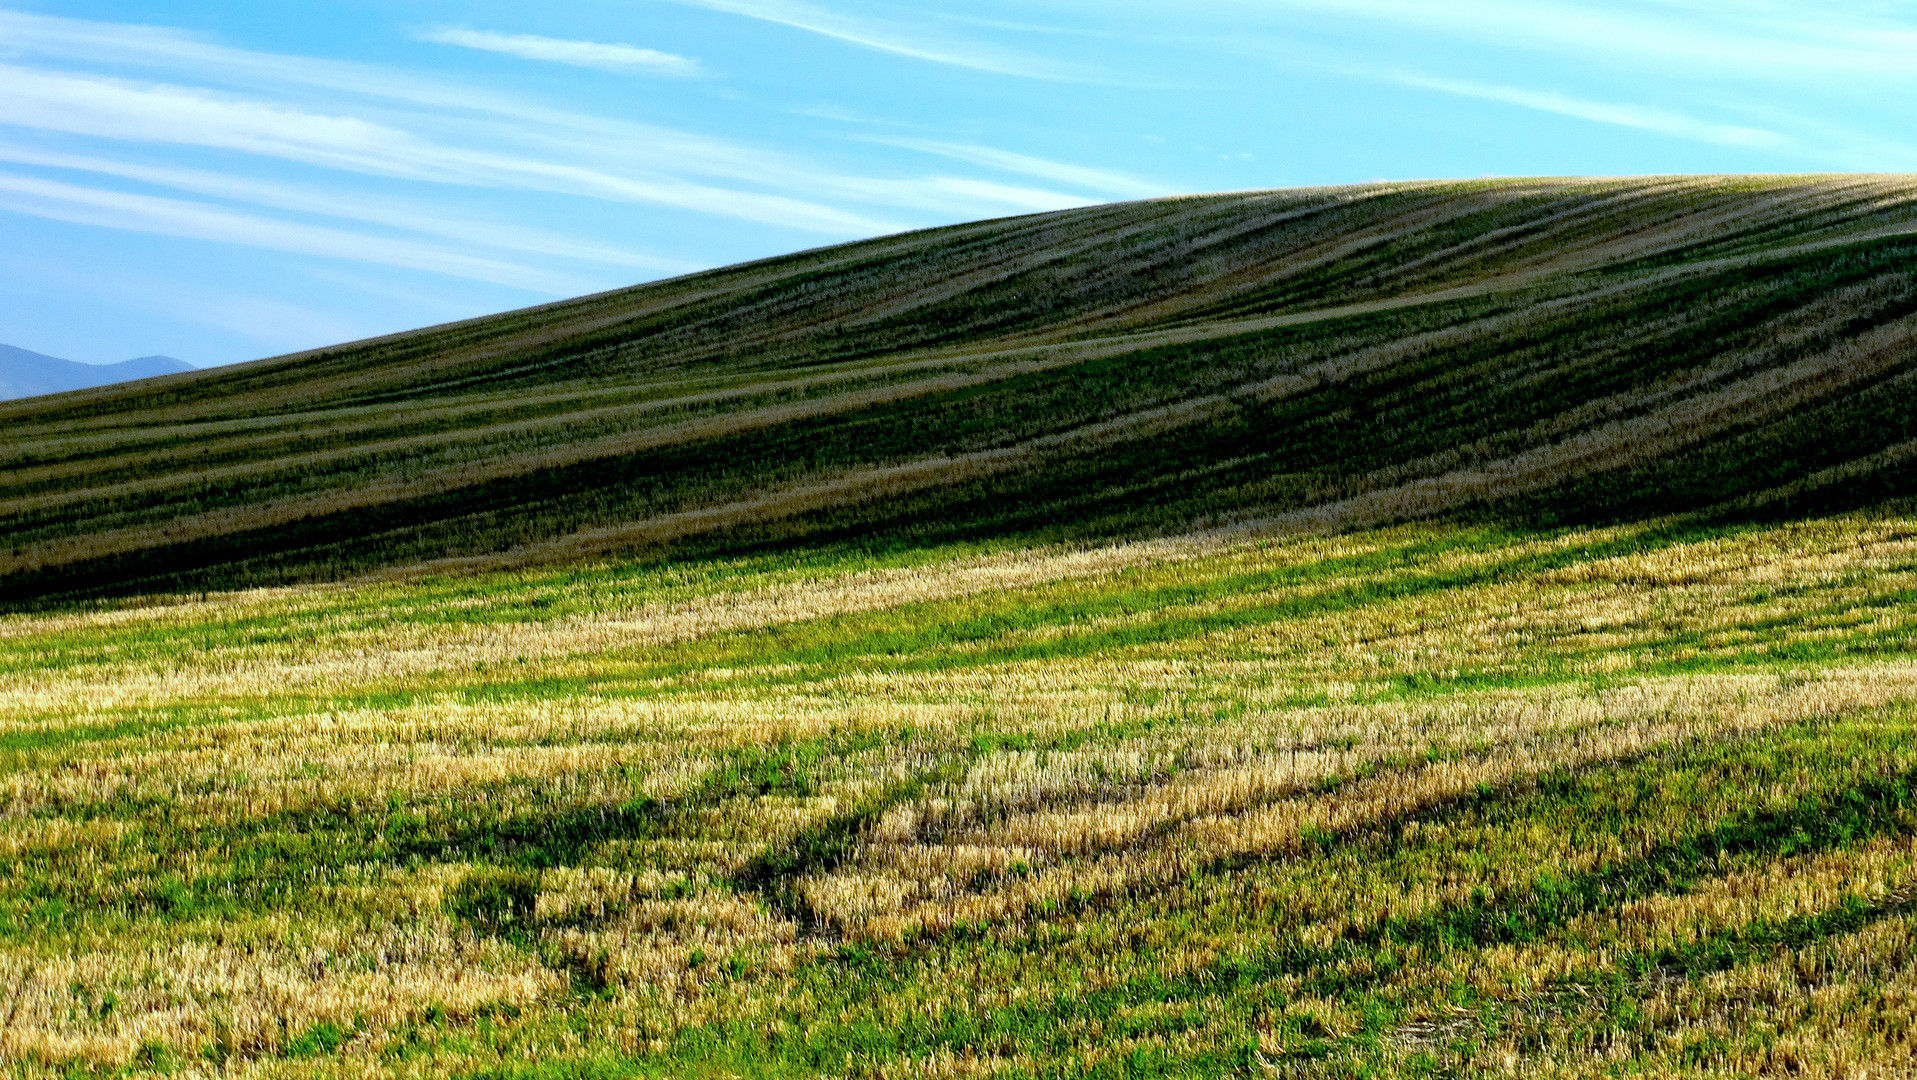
pixel 30 374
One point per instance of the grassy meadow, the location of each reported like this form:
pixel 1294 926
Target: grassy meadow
pixel 1402 631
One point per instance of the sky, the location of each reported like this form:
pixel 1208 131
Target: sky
pixel 224 180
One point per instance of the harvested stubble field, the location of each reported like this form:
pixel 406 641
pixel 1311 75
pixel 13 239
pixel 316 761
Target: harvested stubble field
pixel 1412 630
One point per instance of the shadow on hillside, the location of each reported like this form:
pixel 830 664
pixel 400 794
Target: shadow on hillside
pixel 1074 507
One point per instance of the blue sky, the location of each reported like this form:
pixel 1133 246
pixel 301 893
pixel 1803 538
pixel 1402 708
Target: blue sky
pixel 221 180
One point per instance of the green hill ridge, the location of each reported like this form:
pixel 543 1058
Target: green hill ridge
pixel 1551 351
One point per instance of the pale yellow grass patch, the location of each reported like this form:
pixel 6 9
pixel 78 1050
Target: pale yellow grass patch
pixel 1205 818
pixel 258 994
pixel 377 654
pixel 1817 1019
pixel 1880 871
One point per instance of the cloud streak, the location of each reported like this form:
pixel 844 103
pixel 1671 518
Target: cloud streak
pixel 159 113
pixel 623 59
pixel 389 213
pixel 200 221
pixel 921 42
pixel 1100 180
pixel 553 151
pixel 1643 118
pixel 1761 42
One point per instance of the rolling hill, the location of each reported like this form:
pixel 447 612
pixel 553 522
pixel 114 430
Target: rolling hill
pixel 1412 630
pixel 1583 350
pixel 30 374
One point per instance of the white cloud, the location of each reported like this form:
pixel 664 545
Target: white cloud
pixel 126 110
pixel 445 133
pixel 396 214
pixel 145 112
pixel 123 110
pixel 993 198
pixel 200 221
pixel 921 42
pixel 625 59
pixel 1749 56
pixel 1661 121
pixel 1101 180
pixel 1747 42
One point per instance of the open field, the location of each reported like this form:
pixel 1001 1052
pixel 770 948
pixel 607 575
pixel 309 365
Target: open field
pixel 1422 630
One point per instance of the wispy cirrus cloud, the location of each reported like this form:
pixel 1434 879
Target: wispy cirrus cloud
pixel 163 113
pixel 423 130
pixel 623 59
pixel 918 39
pixel 1634 64
pixel 201 221
pixel 406 215
pixel 1735 38
pixel 1100 180
pixel 1641 117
